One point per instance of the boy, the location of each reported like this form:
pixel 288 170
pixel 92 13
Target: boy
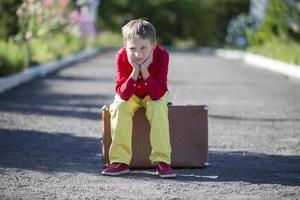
pixel 141 81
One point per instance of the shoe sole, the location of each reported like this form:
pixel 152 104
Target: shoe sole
pixel 115 174
pixel 166 175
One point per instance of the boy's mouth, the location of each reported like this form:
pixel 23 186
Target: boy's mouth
pixel 139 61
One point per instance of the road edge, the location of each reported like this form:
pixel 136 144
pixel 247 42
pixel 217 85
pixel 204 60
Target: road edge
pixel 290 70
pixel 9 82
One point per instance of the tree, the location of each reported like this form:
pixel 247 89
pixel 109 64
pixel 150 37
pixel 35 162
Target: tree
pixel 8 18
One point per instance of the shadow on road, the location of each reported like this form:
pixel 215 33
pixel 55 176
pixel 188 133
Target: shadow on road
pixel 247 167
pixel 36 98
pixel 57 105
pixel 62 152
pixel 49 152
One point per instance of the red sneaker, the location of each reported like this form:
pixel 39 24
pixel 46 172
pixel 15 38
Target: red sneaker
pixel 164 170
pixel 115 169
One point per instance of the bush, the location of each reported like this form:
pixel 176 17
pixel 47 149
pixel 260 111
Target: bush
pixel 203 22
pixel 108 38
pixel 273 38
pixel 286 50
pixel 8 18
pixel 276 24
pixel 294 19
pixel 53 47
pixel 48 30
pixel 237 30
pixel 13 58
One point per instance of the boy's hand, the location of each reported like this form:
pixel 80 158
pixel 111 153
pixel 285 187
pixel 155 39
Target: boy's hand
pixel 147 63
pixel 134 65
pixel 136 69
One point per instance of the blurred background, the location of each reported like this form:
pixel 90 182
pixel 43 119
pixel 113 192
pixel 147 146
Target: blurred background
pixel 38 31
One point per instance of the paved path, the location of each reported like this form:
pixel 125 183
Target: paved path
pixel 50 147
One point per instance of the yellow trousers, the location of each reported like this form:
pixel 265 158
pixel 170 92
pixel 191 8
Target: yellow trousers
pixel 122 111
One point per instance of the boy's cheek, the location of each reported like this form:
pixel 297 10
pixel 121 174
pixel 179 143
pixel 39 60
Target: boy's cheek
pixel 129 56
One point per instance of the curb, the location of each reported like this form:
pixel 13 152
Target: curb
pixel 12 81
pixel 290 70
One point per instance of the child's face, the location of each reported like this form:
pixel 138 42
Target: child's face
pixel 138 50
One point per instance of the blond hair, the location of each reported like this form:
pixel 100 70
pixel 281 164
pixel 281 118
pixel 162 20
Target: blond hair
pixel 139 28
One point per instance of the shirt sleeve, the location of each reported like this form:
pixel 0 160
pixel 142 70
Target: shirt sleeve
pixel 156 83
pixel 125 85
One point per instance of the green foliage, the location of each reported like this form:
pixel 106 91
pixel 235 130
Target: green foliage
pixel 38 18
pixel 224 11
pixel 203 22
pixel 53 47
pixel 13 58
pixel 282 49
pixel 52 30
pixel 295 19
pixel 8 18
pixel 274 25
pixel 108 38
pixel 237 30
pixel 184 44
pixel 48 30
pixel 273 38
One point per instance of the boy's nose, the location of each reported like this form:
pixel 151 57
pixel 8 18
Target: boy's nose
pixel 138 54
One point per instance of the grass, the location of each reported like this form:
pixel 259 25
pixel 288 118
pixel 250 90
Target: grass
pixel 279 49
pixel 108 39
pixel 184 44
pixel 13 58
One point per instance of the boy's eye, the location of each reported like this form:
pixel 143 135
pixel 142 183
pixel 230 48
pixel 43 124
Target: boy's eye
pixel 143 48
pixel 132 49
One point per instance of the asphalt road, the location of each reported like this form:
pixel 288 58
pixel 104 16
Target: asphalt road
pixel 50 134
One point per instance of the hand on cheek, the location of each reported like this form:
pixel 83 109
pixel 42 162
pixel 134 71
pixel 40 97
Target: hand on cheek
pixel 134 64
pixel 148 61
pixel 136 69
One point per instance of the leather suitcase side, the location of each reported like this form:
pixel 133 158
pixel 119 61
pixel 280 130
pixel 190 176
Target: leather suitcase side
pixel 188 135
pixel 141 147
pixel 105 134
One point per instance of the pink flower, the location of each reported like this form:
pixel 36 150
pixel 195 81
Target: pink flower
pixel 48 2
pixel 74 16
pixel 64 3
pixel 84 22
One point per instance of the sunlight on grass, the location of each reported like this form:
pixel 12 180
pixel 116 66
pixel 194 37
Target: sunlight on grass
pixel 284 50
pixel 109 39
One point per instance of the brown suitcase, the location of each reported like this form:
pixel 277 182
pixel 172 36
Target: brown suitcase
pixel 188 135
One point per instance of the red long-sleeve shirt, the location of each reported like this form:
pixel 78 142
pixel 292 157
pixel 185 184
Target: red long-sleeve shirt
pixel 155 85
